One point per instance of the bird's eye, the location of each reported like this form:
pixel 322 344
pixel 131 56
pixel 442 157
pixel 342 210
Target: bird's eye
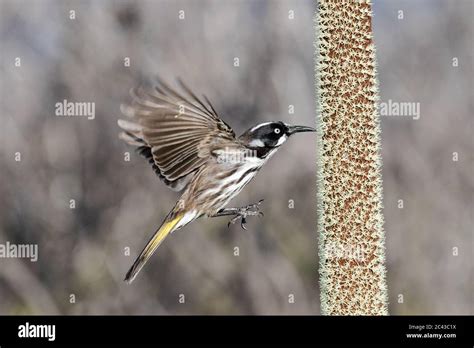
pixel 277 130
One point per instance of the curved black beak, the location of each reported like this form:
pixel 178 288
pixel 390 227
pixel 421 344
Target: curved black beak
pixel 299 129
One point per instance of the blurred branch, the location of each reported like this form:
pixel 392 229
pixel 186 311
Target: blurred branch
pixel 29 288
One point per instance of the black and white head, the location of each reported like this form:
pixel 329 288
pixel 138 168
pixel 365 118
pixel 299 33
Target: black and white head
pixel 271 135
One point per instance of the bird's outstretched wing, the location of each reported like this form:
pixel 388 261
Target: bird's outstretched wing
pixel 176 133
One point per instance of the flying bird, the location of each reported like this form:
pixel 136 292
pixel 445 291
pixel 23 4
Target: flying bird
pixel 191 149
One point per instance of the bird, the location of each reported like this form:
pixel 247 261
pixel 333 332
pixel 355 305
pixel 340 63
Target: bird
pixel 194 151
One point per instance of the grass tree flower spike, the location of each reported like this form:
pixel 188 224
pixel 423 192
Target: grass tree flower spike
pixel 351 244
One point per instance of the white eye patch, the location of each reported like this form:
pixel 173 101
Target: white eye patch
pixel 277 130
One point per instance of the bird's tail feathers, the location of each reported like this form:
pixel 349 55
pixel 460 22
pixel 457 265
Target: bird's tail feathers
pixel 168 226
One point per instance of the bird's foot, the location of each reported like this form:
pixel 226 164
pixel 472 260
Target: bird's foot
pixel 242 213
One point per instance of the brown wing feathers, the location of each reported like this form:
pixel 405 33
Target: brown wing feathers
pixel 171 132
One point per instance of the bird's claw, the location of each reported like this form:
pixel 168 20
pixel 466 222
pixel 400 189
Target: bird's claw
pixel 242 223
pixel 250 210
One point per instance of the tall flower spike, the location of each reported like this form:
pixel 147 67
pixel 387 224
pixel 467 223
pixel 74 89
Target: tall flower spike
pixel 351 244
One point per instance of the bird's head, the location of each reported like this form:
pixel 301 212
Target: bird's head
pixel 271 135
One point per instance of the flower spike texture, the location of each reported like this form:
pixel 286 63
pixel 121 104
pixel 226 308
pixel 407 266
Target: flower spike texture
pixel 350 221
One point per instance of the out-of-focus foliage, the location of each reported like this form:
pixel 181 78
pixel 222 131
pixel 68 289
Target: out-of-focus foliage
pixel 119 203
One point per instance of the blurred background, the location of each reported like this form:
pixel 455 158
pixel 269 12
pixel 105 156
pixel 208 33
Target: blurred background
pixel 255 62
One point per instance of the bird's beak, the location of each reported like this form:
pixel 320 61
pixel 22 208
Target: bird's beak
pixel 299 129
